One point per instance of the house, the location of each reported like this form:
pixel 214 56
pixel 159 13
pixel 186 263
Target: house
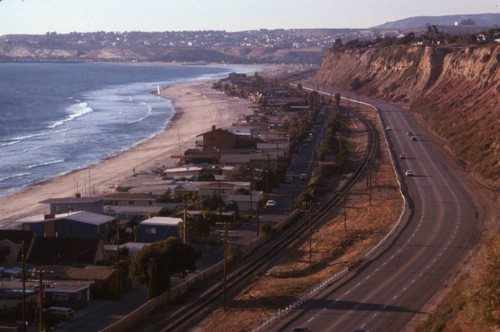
pixel 127 199
pixel 100 278
pixel 182 172
pixel 130 205
pixel 72 204
pixel 158 229
pixel 79 224
pixel 66 251
pixel 71 295
pixel 11 294
pixel 224 139
pixel 218 138
pixel 11 242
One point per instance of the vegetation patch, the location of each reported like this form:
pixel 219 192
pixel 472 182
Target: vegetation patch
pixel 474 302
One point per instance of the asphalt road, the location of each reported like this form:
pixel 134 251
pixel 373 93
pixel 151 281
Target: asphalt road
pixel 385 293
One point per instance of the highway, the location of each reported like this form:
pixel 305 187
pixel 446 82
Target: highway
pixel 437 229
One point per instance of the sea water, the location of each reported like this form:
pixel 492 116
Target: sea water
pixel 57 118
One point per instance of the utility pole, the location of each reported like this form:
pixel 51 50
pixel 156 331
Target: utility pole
pixel 267 181
pixel 257 215
pixel 40 312
pixel 310 233
pixel 370 182
pixel 345 211
pixel 251 202
pixel 224 294
pixel 117 258
pixel 185 220
pixel 24 287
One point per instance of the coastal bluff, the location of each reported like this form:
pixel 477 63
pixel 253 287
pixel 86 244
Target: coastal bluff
pixel 454 88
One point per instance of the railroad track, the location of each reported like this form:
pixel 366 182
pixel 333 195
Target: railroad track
pixel 291 236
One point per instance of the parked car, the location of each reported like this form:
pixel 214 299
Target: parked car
pixel 388 128
pixel 303 176
pixel 409 172
pixel 301 329
pixel 270 203
pixel 409 133
pixel 60 312
pixel 402 156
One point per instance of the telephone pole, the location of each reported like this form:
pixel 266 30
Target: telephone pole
pixel 310 233
pixel 370 182
pixel 224 287
pixel 117 258
pixel 24 287
pixel 345 211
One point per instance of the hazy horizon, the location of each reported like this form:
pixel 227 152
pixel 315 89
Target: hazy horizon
pixel 40 17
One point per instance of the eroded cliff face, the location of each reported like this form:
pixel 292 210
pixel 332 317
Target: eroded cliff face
pixel 456 89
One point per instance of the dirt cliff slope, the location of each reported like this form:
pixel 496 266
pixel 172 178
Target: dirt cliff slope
pixel 456 89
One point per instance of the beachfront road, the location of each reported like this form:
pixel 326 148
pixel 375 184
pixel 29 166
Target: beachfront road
pixel 438 227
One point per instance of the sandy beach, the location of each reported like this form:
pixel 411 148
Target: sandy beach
pixel 197 108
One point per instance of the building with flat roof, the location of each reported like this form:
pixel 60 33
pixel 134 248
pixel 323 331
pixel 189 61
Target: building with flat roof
pixel 80 224
pixel 158 229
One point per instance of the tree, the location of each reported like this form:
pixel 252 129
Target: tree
pixel 207 202
pixel 204 175
pixel 196 228
pixel 467 21
pixel 154 265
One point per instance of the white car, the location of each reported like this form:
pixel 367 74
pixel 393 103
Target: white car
pixel 409 172
pixel 270 203
pixel 303 176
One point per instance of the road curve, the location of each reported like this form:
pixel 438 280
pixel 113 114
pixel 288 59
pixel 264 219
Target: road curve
pixel 439 226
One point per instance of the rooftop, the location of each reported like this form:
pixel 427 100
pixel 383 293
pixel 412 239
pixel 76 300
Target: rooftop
pixel 162 221
pixel 80 216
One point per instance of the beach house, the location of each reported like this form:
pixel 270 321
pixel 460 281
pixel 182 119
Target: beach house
pixel 158 229
pixel 80 224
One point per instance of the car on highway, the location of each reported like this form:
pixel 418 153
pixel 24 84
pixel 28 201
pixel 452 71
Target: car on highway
pixel 388 128
pixel 409 172
pixel 409 133
pixel 402 156
pixel 414 138
pixel 270 203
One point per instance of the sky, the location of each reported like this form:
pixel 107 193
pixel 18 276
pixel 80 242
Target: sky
pixel 64 16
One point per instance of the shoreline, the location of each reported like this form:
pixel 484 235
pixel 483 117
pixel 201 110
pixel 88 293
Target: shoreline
pixel 196 108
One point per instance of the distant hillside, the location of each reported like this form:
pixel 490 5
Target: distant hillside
pixel 482 20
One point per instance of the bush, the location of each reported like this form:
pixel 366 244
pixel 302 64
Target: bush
pixel 267 230
pixel 234 252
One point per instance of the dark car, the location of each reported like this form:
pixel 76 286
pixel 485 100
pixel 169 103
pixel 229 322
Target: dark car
pixel 301 329
pixel 59 312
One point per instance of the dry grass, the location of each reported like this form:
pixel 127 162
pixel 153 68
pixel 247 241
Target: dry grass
pixel 474 302
pixel 333 248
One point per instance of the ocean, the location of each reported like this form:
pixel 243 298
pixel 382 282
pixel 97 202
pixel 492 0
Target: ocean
pixel 57 118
